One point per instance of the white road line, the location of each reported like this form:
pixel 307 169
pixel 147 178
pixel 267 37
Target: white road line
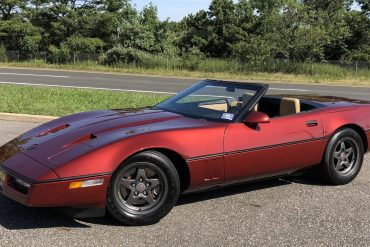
pixel 36 75
pixel 93 88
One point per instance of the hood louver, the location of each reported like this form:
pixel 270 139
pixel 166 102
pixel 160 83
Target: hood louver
pixel 80 140
pixel 54 130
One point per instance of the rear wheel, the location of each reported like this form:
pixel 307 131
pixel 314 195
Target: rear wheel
pixel 144 189
pixel 343 157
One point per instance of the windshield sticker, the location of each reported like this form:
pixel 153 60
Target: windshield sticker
pixel 227 116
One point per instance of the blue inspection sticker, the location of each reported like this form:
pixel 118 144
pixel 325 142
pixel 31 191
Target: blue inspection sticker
pixel 227 116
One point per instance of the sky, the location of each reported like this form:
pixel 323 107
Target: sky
pixel 176 9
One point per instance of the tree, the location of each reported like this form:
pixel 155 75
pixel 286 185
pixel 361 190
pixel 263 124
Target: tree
pixel 8 8
pixel 298 35
pixel 253 31
pixel 81 45
pixel 331 15
pixel 358 43
pixel 198 31
pixel 222 16
pixel 20 36
pixel 365 6
pixel 110 20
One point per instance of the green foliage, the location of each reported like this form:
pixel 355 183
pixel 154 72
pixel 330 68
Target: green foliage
pixel 255 51
pixel 358 43
pixel 78 44
pixel 20 36
pixel 8 8
pixel 243 35
pixel 59 55
pixel 192 59
pixel 71 49
pixel 120 55
pixel 3 55
pixel 362 54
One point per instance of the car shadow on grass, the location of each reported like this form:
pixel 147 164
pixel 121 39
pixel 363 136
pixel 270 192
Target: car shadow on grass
pixel 14 216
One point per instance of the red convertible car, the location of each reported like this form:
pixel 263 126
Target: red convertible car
pixel 135 163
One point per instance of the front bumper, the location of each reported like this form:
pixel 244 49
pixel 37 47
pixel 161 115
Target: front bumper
pixel 54 193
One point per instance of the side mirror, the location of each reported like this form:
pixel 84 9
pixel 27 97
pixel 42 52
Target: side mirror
pixel 255 118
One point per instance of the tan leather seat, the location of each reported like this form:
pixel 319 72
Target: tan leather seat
pixel 290 106
pixel 216 107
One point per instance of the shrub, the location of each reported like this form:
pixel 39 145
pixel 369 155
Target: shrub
pixel 255 52
pixel 3 55
pixel 360 55
pixel 120 55
pixel 78 45
pixel 59 55
pixel 192 59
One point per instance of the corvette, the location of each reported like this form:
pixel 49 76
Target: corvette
pixel 135 163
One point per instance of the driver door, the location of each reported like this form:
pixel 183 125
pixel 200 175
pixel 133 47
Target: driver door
pixel 285 144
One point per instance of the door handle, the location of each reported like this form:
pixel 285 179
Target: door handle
pixel 311 123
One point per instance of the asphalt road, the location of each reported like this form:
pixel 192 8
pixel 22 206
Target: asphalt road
pixel 153 83
pixel 278 212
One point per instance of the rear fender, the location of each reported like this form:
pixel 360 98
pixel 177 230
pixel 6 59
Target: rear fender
pixel 358 117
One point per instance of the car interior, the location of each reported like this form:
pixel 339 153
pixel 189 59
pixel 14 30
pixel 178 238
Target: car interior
pixel 273 106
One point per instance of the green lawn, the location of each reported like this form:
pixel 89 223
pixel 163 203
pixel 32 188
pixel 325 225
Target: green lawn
pixel 59 102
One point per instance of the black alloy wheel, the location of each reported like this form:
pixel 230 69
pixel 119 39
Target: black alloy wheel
pixel 343 158
pixel 144 189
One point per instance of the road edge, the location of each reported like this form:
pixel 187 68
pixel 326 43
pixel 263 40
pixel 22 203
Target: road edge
pixel 25 117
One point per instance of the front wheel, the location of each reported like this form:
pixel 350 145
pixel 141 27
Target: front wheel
pixel 343 157
pixel 144 189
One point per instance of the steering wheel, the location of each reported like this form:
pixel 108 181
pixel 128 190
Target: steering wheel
pixel 228 105
pixel 233 109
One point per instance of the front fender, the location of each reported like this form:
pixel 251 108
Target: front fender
pixel 105 158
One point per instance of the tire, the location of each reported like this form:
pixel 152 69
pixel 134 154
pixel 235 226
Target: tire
pixel 144 189
pixel 343 157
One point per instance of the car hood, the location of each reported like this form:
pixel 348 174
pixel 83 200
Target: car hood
pixel 48 141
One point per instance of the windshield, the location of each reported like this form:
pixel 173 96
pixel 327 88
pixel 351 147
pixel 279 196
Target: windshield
pixel 213 100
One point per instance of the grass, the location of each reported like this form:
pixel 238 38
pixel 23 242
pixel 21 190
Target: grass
pixel 61 101
pixel 308 73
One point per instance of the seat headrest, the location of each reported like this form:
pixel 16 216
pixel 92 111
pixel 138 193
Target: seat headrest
pixel 290 106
